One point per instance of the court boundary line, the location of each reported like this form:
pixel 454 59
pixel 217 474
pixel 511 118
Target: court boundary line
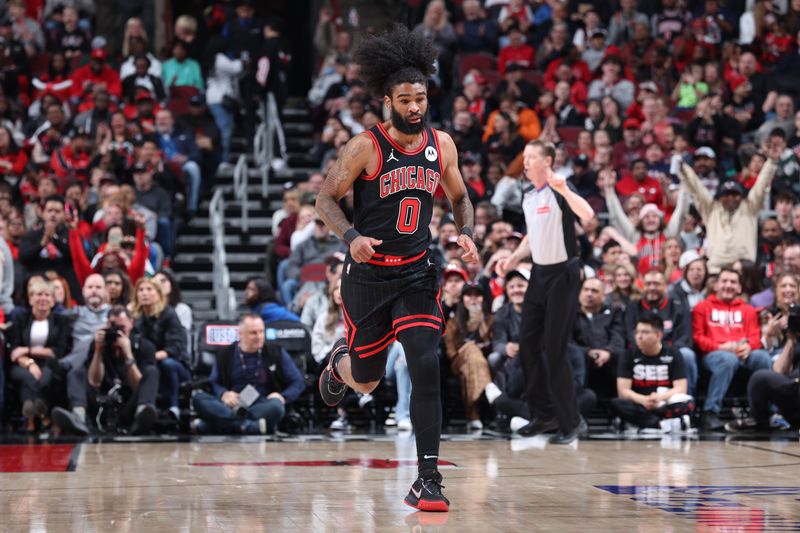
pixel 72 465
pixel 754 447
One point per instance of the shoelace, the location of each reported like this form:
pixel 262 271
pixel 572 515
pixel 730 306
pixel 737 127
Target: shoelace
pixel 436 485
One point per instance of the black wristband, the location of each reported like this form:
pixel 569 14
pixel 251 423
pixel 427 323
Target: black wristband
pixel 466 230
pixel 351 235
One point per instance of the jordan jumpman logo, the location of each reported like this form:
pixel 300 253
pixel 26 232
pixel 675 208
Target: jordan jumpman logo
pixel 391 156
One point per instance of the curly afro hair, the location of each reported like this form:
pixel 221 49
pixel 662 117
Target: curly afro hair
pixel 396 56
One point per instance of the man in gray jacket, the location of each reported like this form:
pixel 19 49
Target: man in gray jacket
pixel 88 319
pixel 311 251
pixel 6 277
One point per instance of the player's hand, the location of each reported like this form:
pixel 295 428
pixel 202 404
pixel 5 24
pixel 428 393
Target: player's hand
pixel 506 265
pixel 470 250
pixel 363 248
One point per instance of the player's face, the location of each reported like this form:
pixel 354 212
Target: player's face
pixel 409 107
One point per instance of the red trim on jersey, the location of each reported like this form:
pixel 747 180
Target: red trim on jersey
pixel 415 324
pixel 439 303
pixel 378 169
pixel 397 146
pixel 368 346
pixel 410 317
pixel 378 349
pixel 439 151
pixel 394 260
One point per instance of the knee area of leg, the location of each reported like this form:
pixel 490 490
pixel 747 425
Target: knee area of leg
pixel 368 387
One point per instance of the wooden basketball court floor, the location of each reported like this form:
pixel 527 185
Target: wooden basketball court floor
pixel 357 483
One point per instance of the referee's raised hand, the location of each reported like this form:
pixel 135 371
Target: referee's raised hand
pixel 557 183
pixel 362 248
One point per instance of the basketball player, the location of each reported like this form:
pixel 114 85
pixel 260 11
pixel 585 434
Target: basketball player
pixel 548 311
pixel 389 282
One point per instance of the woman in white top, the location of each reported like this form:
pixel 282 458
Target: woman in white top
pixel 329 326
pixel 37 338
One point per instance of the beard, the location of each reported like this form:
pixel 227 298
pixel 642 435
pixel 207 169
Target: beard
pixel 407 127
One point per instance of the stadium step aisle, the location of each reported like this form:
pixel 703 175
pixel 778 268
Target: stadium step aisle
pixel 245 251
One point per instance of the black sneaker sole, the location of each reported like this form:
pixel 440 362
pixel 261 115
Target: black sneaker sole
pixel 144 421
pixel 547 427
pixel 435 506
pixel 332 397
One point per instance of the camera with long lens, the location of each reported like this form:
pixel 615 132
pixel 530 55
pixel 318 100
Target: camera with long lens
pixel 793 316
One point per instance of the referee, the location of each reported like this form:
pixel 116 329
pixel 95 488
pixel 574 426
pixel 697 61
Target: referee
pixel 550 304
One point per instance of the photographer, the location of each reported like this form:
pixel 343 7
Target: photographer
pixel 779 385
pixel 122 356
pixel 251 385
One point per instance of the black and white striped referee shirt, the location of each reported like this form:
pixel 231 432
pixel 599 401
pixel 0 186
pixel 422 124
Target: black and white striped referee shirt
pixel 551 226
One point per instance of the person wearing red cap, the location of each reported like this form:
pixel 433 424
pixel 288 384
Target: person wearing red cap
pixel 742 105
pixel 453 279
pixel 624 153
pixel 96 72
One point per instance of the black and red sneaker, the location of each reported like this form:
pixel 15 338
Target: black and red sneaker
pixel 426 494
pixel 331 388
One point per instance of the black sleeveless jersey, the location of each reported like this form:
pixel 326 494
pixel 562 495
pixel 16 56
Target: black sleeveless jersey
pixel 395 203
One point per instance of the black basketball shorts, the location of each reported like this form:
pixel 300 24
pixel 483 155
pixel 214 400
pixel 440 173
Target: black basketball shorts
pixel 382 298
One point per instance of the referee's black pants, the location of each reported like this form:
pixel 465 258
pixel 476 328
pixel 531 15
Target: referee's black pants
pixel 548 312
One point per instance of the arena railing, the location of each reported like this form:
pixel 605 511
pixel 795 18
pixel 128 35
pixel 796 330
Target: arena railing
pixel 241 179
pixel 224 297
pixel 264 142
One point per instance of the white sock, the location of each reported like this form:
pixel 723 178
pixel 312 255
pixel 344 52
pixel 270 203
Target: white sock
pixel 176 411
pixel 492 392
pixel 517 422
pixel 80 412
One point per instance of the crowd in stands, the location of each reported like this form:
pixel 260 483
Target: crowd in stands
pixel 675 120
pixel 114 122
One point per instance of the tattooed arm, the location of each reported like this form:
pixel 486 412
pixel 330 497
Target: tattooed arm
pixel 357 155
pixel 456 191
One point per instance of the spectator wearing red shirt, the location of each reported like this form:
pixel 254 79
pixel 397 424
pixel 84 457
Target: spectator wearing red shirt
pixel 777 43
pixel 749 174
pixel 144 112
pixel 728 335
pixel 73 159
pixel 578 71
pixel 110 255
pixel 471 171
pixel 12 160
pixel 96 72
pixel 639 182
pixel 516 12
pixel 516 52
